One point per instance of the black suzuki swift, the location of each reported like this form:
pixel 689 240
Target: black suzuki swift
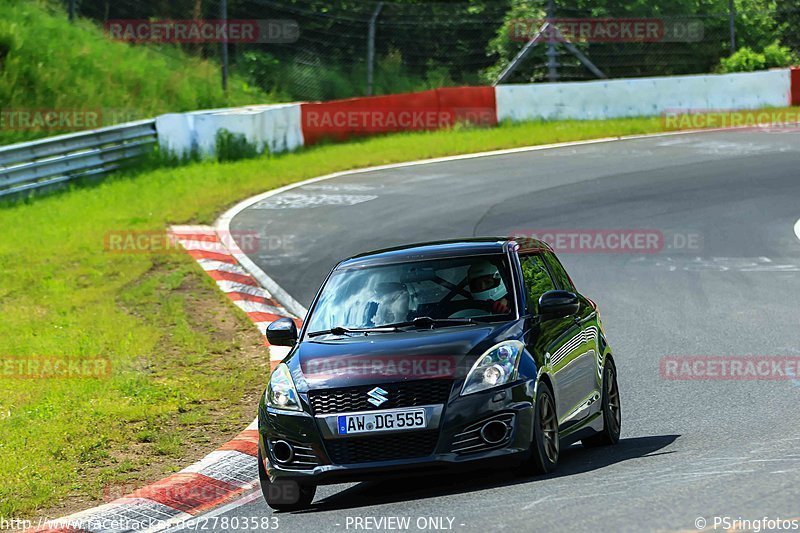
pixel 435 356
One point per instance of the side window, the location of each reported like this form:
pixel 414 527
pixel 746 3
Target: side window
pixel 537 280
pixel 560 275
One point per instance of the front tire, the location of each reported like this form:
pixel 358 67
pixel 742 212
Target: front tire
pixel 284 495
pixel 545 444
pixel 612 411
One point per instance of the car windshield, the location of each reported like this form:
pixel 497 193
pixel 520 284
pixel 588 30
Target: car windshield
pixel 475 287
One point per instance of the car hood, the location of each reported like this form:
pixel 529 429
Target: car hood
pixel 447 352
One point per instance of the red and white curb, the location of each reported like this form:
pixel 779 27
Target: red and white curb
pixel 214 255
pixel 218 478
pixel 222 475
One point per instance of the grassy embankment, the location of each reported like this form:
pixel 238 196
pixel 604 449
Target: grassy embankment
pixel 50 64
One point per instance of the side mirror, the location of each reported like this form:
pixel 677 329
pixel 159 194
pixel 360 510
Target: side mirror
pixel 558 304
pixel 282 332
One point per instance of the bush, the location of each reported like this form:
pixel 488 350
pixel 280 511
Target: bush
pixel 743 60
pixel 747 60
pixel 779 56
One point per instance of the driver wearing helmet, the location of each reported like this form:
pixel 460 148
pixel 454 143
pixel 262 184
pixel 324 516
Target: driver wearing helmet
pixel 393 303
pixel 486 284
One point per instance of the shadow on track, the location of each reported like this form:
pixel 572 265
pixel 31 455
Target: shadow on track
pixel 574 460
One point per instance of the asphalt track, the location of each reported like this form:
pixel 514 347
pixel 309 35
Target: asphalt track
pixel 689 449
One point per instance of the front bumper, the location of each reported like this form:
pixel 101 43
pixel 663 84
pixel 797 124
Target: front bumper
pixel 441 445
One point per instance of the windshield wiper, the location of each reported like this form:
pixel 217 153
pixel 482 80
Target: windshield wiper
pixel 340 330
pixel 422 322
pixel 426 322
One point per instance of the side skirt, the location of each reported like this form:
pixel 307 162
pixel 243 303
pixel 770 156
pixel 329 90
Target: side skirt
pixel 586 428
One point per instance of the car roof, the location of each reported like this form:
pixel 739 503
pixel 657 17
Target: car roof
pixel 444 249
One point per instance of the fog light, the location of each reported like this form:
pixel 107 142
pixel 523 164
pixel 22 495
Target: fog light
pixel 282 451
pixel 494 432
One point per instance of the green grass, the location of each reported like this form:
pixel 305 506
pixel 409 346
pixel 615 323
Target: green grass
pixel 48 63
pixel 175 378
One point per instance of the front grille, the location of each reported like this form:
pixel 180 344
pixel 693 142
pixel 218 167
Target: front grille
pixel 405 394
pixel 382 447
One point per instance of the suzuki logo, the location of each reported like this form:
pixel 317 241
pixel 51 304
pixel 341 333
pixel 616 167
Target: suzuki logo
pixel 377 396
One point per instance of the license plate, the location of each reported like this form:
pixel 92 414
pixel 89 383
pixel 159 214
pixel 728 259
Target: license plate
pixel 386 421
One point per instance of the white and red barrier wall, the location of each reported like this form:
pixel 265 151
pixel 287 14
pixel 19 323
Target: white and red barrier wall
pixel 426 110
pixel 637 97
pixel 273 128
pixel 284 127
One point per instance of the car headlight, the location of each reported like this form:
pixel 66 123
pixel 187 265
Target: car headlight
pixel 497 366
pixel 281 393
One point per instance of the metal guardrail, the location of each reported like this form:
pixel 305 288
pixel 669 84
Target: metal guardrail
pixel 50 162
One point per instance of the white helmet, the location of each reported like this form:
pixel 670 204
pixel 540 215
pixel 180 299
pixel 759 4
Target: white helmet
pixel 393 303
pixel 485 282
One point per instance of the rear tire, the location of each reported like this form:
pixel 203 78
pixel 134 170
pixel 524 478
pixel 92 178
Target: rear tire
pixel 284 495
pixel 612 410
pixel 545 444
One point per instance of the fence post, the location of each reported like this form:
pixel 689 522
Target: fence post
pixel 223 15
pixel 371 46
pixel 552 62
pixel 71 10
